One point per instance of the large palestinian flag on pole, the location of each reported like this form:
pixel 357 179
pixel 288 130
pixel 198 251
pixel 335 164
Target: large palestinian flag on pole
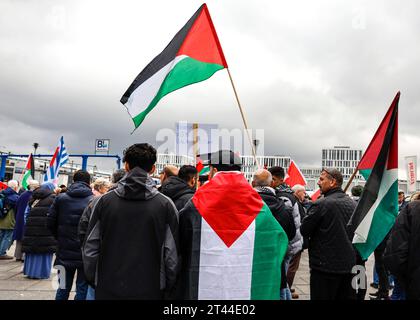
pixel 193 55
pixel 231 245
pixel 377 209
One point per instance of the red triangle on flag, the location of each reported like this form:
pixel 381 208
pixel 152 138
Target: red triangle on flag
pixel 294 176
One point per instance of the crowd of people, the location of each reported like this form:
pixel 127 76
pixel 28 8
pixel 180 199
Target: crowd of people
pixel 133 239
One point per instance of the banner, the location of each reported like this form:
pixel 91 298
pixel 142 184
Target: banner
pixel 411 173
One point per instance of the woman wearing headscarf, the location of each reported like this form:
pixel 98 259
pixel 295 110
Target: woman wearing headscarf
pixel 21 208
pixel 39 243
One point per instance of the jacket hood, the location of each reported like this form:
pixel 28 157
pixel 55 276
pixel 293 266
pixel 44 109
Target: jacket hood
pixel 175 187
pixel 11 195
pixel 266 190
pixel 41 193
pixel 79 189
pixel 136 185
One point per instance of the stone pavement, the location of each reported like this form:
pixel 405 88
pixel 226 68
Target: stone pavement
pixel 15 286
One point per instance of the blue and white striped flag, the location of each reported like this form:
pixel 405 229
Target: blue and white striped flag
pixel 60 157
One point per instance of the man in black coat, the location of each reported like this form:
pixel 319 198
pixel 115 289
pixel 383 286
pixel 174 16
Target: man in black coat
pixel 331 253
pixel 63 221
pixel 402 255
pixel 131 248
pixel 181 188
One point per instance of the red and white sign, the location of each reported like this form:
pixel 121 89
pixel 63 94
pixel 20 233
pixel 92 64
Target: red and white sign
pixel 411 173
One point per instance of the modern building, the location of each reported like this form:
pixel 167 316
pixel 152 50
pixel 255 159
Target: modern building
pixel 343 158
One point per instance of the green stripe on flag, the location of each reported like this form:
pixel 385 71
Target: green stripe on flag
pixel 186 72
pixel 365 173
pixel 382 221
pixel 25 179
pixel 204 171
pixel 269 250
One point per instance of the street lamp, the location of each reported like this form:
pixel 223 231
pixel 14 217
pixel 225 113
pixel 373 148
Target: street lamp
pixel 35 145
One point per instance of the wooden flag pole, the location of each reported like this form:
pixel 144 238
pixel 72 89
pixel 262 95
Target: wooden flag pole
pixel 243 118
pixel 195 148
pixel 351 179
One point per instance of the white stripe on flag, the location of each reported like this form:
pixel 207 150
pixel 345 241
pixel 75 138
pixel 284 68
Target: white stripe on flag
pixel 141 98
pixel 362 231
pixel 225 273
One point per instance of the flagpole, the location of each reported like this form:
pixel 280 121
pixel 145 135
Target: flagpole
pixel 351 179
pixel 195 149
pixel 243 117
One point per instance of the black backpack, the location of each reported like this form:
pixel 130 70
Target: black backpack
pixel 4 206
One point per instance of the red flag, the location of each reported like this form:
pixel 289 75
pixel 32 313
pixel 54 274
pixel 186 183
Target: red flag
pixel 3 185
pixel 294 176
pixel 316 195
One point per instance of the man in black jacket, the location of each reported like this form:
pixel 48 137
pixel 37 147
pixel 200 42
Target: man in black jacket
pixel 402 255
pixel 181 188
pixel 331 253
pixel 131 248
pixel 63 221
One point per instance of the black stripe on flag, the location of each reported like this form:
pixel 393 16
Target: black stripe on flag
pixel 373 184
pixel 166 56
pixel 190 241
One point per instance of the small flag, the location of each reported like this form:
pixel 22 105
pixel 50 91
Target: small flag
pixel 294 176
pixel 193 55
pixel 60 157
pixel 377 208
pixel 29 171
pixel 3 186
pixel 201 168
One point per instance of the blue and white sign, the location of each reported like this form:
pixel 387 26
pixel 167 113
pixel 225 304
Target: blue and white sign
pixel 102 145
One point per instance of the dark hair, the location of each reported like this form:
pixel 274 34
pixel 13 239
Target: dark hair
pixel 227 167
pixel 277 171
pixel 187 172
pixel 334 174
pixel 81 175
pixel 117 175
pixel 400 192
pixel 63 186
pixel 141 155
pixel 356 191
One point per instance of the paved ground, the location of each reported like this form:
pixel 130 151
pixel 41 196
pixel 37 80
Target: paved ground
pixel 14 285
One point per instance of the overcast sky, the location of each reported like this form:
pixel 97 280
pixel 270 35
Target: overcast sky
pixel 312 74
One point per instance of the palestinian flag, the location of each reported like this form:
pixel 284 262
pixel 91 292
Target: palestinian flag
pixel 232 246
pixel 377 209
pixel 201 168
pixel 30 171
pixel 193 55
